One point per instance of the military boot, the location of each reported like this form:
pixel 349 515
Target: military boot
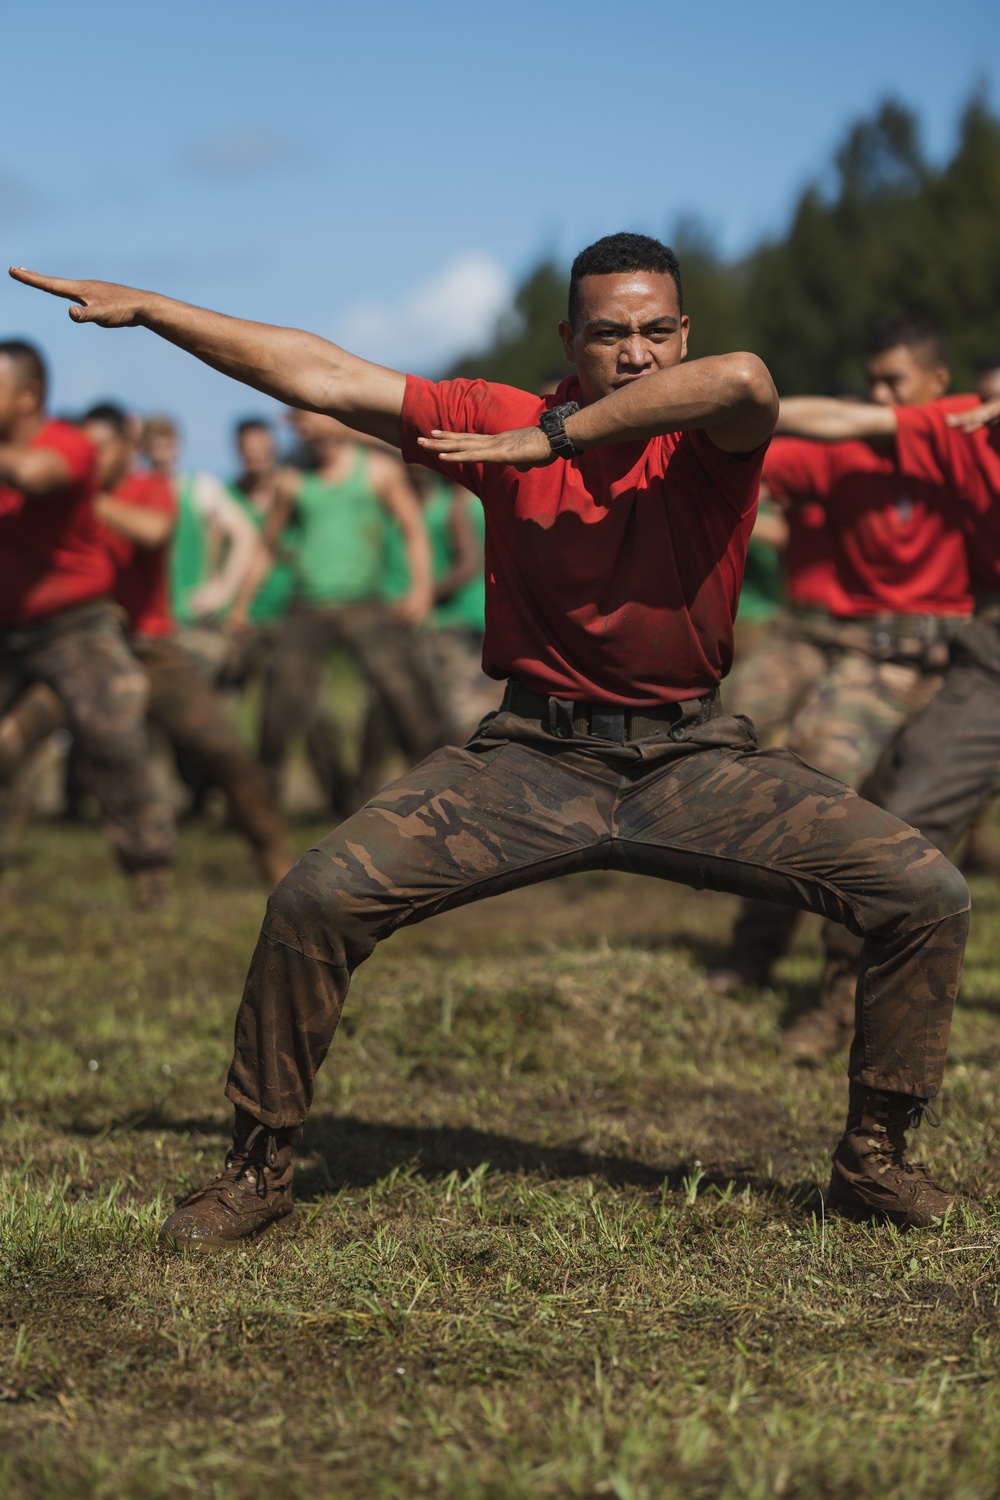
pixel 871 1176
pixel 253 1191
pixel 820 1032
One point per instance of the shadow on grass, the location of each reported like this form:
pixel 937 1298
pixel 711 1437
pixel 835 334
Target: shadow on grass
pixel 352 1153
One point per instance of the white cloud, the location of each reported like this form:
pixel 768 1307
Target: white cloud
pixel 452 312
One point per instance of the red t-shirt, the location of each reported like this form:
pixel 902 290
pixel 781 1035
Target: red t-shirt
pixel 896 541
pixel 52 551
pixel 810 571
pixel 141 581
pixel 611 578
pixel 931 451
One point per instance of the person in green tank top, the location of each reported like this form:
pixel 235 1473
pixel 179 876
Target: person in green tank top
pixel 344 509
pixel 213 549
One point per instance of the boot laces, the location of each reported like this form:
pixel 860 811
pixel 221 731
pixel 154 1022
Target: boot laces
pixel 887 1140
pixel 243 1157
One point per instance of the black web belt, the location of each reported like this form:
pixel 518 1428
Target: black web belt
pixel 566 717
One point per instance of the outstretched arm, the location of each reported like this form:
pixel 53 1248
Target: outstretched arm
pixel 731 396
pixel 827 420
pixel 987 415
pixel 33 471
pixel 296 367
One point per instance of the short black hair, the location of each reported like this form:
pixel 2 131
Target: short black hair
pixel 252 424
pixel 111 414
pixel 616 253
pixel 28 361
pixel 914 331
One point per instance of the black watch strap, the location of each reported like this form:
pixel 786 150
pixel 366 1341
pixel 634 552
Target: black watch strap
pixel 553 424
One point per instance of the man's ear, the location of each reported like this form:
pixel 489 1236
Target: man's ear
pixel 566 335
pixel 942 374
pixel 685 330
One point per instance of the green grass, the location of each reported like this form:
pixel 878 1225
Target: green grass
pixel 558 1231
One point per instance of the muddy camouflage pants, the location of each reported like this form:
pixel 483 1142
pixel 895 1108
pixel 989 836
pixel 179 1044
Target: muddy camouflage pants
pixel 82 656
pixel 944 767
pixel 387 653
pixel 192 715
pixel 771 680
pixel 697 804
pixel 842 726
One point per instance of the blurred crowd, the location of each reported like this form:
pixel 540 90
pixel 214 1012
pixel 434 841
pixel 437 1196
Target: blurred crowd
pixel 290 636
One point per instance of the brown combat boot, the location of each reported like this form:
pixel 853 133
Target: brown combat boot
pixel 871 1177
pixel 253 1191
pixel 818 1033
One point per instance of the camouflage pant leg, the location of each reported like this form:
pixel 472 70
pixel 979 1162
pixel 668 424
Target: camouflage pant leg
pixel 292 687
pixel 388 652
pixel 473 822
pixel 941 771
pixel 104 692
pixel 769 683
pixel 842 728
pixel 183 703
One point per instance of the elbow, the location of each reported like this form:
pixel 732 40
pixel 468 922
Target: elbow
pixel 752 382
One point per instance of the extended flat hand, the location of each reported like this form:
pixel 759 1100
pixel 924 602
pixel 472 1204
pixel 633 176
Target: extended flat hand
pixel 523 447
pixel 99 302
pixel 986 415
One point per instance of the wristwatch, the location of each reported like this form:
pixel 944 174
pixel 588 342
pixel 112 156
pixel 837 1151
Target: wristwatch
pixel 553 424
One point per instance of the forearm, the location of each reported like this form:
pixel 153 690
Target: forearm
pixel 33 471
pixel 146 528
pixel 705 393
pixel 827 420
pixel 418 557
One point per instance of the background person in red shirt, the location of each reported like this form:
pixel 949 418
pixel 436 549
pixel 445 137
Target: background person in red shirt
pixel 896 587
pixel 617 516
pixel 140 512
pixel 58 625
pixel 942 769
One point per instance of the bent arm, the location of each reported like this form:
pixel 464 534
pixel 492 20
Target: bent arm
pixel 298 368
pixel 239 534
pixel 391 484
pixel 467 553
pixel 33 471
pixel 145 527
pixel 826 420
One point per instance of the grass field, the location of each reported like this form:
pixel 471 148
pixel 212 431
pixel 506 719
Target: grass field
pixel 558 1231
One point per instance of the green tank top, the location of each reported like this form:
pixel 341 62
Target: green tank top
pixel 189 560
pixel 466 609
pixel 343 539
pixel 274 596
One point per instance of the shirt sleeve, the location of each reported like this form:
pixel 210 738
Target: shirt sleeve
pixel 72 446
pixel 795 469
pixel 735 478
pixel 928 449
pixel 462 406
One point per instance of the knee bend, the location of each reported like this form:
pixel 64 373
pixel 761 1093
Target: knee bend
pixel 932 890
pixel 309 911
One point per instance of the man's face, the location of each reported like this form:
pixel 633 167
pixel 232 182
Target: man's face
pixel 988 384
pixel 317 429
pixel 256 450
pixel 114 453
pixel 161 450
pixel 905 377
pixel 628 325
pixel 18 398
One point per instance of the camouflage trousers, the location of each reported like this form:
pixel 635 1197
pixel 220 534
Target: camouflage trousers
pixel 194 718
pixel 81 655
pixel 697 803
pixel 389 656
pixel 944 767
pixel 771 679
pixel 842 726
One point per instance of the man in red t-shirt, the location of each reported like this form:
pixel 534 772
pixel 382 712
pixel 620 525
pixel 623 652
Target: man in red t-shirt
pixel 140 512
pixel 58 625
pixel 895 590
pixel 617 515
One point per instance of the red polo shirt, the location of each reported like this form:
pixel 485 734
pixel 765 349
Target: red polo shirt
pixel 141 572
pixel 52 549
pixel 896 541
pixel 933 452
pixel 611 578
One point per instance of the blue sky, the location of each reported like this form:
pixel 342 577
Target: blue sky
pixel 383 174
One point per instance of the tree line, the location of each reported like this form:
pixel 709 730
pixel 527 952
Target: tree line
pixel 893 234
